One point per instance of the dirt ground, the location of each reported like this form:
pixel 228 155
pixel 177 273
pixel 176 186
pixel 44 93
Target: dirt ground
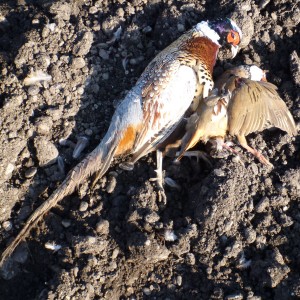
pixel 230 232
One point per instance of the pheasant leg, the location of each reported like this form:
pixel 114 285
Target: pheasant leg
pixel 159 178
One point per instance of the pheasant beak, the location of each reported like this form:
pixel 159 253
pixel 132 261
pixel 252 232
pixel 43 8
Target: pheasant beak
pixel 234 50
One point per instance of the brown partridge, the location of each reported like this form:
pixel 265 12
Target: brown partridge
pixel 246 104
pixel 179 75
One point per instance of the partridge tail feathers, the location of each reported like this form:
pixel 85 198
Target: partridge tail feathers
pixel 190 138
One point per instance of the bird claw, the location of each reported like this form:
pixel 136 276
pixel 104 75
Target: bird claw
pixel 198 154
pixel 162 198
pixel 262 159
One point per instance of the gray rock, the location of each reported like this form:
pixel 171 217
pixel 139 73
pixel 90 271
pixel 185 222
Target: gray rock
pixel 103 54
pixel 46 151
pixel 44 125
pixel 295 67
pixel 102 227
pixel 33 90
pixel 83 206
pixel 61 10
pixel 83 46
pixel 262 204
pixel 78 63
pixel 29 173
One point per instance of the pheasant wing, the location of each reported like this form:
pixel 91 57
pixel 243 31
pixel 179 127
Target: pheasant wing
pixel 167 92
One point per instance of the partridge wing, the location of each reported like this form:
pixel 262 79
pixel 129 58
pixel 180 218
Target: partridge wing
pixel 255 106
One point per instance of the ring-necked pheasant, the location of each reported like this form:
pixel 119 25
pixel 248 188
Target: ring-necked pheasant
pixel 151 109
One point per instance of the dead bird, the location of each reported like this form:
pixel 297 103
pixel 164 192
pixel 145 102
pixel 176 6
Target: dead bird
pixel 176 77
pixel 241 103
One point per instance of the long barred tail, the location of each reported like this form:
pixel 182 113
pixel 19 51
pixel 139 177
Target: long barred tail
pixel 98 160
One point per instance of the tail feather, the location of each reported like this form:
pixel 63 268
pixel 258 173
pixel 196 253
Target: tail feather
pixel 98 160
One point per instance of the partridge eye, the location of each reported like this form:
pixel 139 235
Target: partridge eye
pixel 233 38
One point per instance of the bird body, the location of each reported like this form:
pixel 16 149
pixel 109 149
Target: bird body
pixel 178 76
pixel 249 104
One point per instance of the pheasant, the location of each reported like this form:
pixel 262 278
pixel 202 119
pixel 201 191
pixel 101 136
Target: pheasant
pixel 242 102
pixel 151 109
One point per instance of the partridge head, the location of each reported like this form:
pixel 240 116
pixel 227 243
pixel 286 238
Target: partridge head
pixel 246 104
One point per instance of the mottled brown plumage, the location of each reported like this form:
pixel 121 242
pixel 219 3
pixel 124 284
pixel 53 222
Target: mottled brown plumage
pixel 255 106
pixel 247 106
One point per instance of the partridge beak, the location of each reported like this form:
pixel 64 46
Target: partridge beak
pixel 234 50
pixel 264 78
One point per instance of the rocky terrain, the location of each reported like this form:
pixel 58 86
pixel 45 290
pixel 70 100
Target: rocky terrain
pixel 231 231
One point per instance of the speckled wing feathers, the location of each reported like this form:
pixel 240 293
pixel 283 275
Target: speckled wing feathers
pixel 177 90
pixel 256 106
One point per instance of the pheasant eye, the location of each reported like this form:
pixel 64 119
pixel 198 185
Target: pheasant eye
pixel 233 38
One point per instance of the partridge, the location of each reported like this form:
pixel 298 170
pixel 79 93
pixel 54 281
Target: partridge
pixel 179 76
pixel 241 103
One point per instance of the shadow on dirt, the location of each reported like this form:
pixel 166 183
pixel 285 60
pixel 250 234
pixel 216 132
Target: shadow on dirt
pixel 128 225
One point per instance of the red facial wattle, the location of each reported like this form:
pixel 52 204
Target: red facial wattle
pixel 233 38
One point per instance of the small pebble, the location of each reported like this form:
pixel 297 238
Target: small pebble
pixel 78 63
pixel 93 10
pixel 46 151
pixel 170 236
pixel 237 296
pixel 179 280
pixel 88 132
pixel 115 253
pixel 29 173
pixel 103 54
pixel 105 76
pixel 7 225
pixel 66 223
pixel 219 172
pixel 147 29
pixel 112 182
pixel 152 217
pixel 80 90
pixel 180 27
pixel 190 259
pixel 262 204
pixel 9 169
pixel 147 291
pixel 33 90
pixel 52 246
pixel 82 47
pixel 83 206
pixel 75 271
pixel 102 227
pixel 250 235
